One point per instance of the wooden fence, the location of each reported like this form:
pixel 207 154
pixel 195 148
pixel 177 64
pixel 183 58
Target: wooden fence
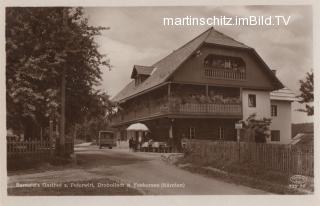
pixel 33 149
pixel 275 157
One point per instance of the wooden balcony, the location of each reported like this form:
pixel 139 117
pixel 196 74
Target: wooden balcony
pixel 224 74
pixel 208 109
pixel 219 109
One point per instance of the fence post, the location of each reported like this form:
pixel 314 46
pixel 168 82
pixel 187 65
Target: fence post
pixel 238 140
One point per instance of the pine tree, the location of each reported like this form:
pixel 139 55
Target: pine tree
pixel 306 97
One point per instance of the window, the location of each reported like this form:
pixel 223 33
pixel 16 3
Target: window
pixel 274 110
pixel 227 63
pixel 252 100
pixel 221 133
pixel 192 134
pixel 275 135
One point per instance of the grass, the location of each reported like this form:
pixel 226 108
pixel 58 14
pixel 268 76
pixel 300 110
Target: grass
pixel 26 163
pixel 84 162
pixel 66 189
pixel 244 173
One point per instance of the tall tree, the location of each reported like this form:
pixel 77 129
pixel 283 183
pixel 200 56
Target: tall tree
pixel 39 44
pixel 98 117
pixel 306 96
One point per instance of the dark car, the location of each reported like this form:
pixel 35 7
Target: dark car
pixel 106 139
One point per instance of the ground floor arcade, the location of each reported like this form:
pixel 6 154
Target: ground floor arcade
pixel 173 130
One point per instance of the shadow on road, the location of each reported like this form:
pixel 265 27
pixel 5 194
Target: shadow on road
pixel 97 160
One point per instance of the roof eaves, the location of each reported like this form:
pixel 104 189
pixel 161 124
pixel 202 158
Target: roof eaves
pixel 142 92
pixel 270 72
pixel 227 46
pixel 192 53
pixel 134 70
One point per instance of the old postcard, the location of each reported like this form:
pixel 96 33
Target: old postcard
pixel 132 101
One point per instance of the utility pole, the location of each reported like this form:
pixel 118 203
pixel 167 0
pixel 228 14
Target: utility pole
pixel 63 94
pixel 238 127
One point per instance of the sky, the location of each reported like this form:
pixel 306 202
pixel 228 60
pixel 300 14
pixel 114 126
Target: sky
pixel 137 36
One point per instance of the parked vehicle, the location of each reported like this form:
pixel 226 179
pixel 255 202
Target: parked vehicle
pixel 107 139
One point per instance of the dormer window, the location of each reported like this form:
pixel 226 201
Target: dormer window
pixel 138 80
pixel 141 73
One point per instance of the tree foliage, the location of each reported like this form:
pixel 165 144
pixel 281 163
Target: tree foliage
pixel 306 96
pixel 40 42
pixel 260 127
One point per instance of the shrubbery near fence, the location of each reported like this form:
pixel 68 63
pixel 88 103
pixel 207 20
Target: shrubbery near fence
pixel 20 153
pixel 282 158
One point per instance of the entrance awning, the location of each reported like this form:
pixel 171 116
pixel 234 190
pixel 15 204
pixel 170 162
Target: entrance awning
pixel 137 127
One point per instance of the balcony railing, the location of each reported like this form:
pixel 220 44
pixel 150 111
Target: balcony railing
pixel 223 109
pixel 224 74
pixel 187 108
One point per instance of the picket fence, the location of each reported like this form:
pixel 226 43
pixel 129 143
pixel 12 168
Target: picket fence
pixel 33 149
pixel 282 158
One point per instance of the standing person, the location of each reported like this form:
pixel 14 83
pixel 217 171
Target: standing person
pixel 139 141
pixel 130 144
pixel 134 144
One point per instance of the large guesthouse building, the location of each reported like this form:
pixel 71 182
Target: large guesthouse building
pixel 201 90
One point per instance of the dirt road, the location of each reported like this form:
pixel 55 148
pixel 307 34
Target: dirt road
pixel 145 172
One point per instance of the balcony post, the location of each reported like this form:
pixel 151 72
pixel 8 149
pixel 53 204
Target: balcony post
pixel 169 91
pixel 207 90
pixel 241 102
pixel 207 95
pixel 169 94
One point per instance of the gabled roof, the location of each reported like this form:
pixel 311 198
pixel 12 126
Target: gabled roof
pixel 219 38
pixel 142 70
pixel 283 94
pixel 163 69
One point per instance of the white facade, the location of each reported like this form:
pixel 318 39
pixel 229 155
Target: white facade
pixel 281 121
pixel 262 108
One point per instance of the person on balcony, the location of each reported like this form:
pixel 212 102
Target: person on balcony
pixel 193 99
pixel 197 98
pixel 203 99
pixel 206 63
pixel 184 100
pixel 175 102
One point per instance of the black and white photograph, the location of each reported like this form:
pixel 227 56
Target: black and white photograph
pixel 159 100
